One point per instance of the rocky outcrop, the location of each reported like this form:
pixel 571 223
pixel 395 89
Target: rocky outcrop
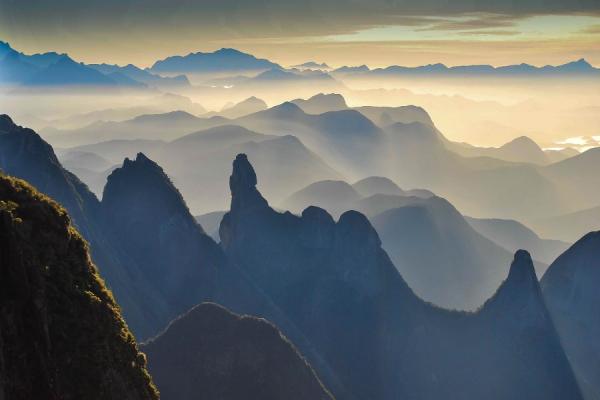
pixel 61 332
pixel 225 356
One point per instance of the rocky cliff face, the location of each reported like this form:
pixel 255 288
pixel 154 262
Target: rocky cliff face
pixel 61 332
pixel 226 356
pixel 570 287
pixel 337 285
pixel 149 222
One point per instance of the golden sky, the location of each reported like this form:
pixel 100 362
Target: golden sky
pixel 375 32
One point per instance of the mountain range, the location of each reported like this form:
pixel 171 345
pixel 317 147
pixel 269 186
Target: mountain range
pixel 223 60
pixel 466 267
pixel 267 263
pixel 401 143
pixel 574 68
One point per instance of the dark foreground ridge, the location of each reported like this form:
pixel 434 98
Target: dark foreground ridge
pixel 225 356
pixel 61 332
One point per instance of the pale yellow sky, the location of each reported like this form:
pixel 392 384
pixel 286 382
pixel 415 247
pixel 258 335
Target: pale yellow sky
pixel 333 31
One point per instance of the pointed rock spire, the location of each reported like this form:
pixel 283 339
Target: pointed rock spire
pixel 242 183
pixel 521 289
pixel 522 269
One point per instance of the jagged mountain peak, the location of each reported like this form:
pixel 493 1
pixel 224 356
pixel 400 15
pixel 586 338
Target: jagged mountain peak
pixel 141 190
pixel 520 292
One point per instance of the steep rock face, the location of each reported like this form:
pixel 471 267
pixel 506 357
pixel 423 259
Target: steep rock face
pixel 570 287
pixel 149 221
pixel 61 332
pixel 225 356
pixel 337 285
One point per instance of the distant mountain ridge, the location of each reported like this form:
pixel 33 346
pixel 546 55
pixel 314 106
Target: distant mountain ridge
pixel 219 60
pixel 574 68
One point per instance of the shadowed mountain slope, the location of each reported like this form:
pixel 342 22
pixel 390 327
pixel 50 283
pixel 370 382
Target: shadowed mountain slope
pixel 570 287
pixel 61 332
pixel 225 356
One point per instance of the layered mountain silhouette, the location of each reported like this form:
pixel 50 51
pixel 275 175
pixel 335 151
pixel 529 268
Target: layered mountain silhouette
pixel 142 76
pixel 385 116
pixel 271 261
pixel 312 65
pixel 480 186
pixel 521 149
pixel 339 287
pixel 245 107
pixel 570 289
pixel 377 185
pixel 335 196
pixel 285 162
pixel 513 235
pixel 322 103
pixel 464 269
pixel 577 176
pixel 347 139
pixel 371 195
pixel 163 126
pixel 570 226
pixel 59 70
pixel 402 144
pixel 574 68
pixel 222 355
pixel 61 333
pixel 218 61
pixel 471 254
